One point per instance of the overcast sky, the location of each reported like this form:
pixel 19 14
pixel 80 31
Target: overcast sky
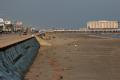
pixel 59 11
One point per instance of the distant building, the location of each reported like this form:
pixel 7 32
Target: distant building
pixel 8 26
pixel 119 24
pixel 1 24
pixel 18 26
pixel 102 24
pixel 5 25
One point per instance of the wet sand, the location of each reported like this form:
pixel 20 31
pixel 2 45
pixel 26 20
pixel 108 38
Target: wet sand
pixel 74 56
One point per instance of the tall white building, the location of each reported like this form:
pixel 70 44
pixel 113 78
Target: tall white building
pixel 102 24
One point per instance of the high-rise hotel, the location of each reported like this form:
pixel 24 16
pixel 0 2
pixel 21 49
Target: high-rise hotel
pixel 102 24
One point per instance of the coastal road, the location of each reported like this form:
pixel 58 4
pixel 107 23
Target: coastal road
pixel 8 39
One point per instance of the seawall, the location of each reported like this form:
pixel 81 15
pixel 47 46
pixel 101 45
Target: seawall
pixel 16 58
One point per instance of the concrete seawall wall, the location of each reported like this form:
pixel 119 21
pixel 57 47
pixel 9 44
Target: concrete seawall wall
pixel 16 58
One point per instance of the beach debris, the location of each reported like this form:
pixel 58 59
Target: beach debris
pixel 76 45
pixel 32 35
pixel 42 42
pixel 61 77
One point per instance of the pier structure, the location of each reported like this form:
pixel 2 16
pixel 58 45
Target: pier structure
pixel 89 30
